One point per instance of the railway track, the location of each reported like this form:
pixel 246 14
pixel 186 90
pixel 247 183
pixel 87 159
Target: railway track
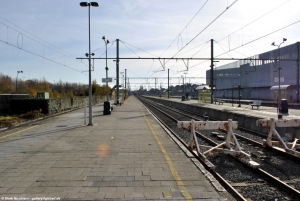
pixel 272 181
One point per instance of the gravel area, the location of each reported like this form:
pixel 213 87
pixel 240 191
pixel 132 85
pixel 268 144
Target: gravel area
pixel 235 172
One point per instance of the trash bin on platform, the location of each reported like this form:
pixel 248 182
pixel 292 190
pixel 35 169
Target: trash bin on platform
pixel 284 106
pixel 106 108
pixel 183 98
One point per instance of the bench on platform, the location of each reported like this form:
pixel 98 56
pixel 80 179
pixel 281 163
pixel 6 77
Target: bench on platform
pixel 256 103
pixel 217 100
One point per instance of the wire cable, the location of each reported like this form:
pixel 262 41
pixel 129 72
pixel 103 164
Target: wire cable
pixel 184 28
pixel 206 27
pixel 42 57
pixel 260 37
pixel 111 44
pixel 254 20
pixel 139 49
pixel 68 55
pixel 130 49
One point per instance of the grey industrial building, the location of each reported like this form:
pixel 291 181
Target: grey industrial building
pixel 258 76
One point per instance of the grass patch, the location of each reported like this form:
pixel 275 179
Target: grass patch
pixel 7 118
pixel 8 121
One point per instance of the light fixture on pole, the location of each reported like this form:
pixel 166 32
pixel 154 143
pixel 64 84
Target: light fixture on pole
pixel 279 68
pixel 85 4
pixel 106 106
pixel 17 79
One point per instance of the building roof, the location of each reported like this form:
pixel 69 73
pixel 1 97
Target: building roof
pixel 276 87
pixel 202 87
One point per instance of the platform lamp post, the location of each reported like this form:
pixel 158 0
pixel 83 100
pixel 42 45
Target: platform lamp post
pixel 106 105
pixel 106 68
pixel 85 4
pixel 279 92
pixel 17 79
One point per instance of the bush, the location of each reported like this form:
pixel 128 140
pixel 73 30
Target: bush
pixel 31 114
pixel 22 106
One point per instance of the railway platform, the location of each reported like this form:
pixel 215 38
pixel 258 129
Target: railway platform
pixel 261 112
pixel 246 116
pixel 123 156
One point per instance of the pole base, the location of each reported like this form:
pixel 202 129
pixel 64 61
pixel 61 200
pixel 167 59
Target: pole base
pixel 279 116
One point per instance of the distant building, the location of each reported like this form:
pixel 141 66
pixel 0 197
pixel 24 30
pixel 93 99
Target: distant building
pixel 259 79
pixel 43 95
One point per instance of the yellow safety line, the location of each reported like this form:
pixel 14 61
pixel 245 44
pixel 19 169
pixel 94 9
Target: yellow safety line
pixel 176 176
pixel 18 132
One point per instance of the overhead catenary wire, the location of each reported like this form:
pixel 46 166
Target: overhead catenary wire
pixel 220 44
pixel 41 56
pixel 140 49
pixel 184 28
pixel 254 20
pixel 237 31
pixel 204 29
pixel 35 36
pixel 205 43
pixel 233 49
pixel 111 44
pixel 20 33
pixel 129 48
pixel 259 38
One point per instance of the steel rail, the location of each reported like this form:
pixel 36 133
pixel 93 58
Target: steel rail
pixel 222 181
pixel 273 179
pixel 244 138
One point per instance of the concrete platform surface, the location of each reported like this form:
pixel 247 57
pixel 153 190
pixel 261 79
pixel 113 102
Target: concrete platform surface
pixel 123 156
pixel 262 112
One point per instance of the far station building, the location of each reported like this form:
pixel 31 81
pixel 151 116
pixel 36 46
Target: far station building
pixel 259 79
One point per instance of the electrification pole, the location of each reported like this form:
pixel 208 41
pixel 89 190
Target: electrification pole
pixel 125 83
pixel 298 50
pixel 117 65
pixel 212 71
pixel 168 83
pixel 155 86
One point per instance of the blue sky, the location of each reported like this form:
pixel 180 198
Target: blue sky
pixel 43 38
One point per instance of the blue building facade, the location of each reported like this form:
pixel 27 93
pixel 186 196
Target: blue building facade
pixel 256 76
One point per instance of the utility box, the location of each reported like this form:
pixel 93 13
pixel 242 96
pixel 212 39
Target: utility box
pixel 43 95
pixel 284 106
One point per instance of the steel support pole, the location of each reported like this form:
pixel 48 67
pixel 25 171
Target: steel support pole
pixel 232 96
pixel 183 85
pixel 212 70
pixel 106 68
pixel 298 50
pixel 279 91
pixel 155 86
pixel 168 83
pixel 17 82
pixel 125 82
pixel 239 96
pixel 90 76
pixel 117 65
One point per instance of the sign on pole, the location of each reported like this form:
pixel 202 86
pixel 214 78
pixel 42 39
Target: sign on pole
pixel 104 80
